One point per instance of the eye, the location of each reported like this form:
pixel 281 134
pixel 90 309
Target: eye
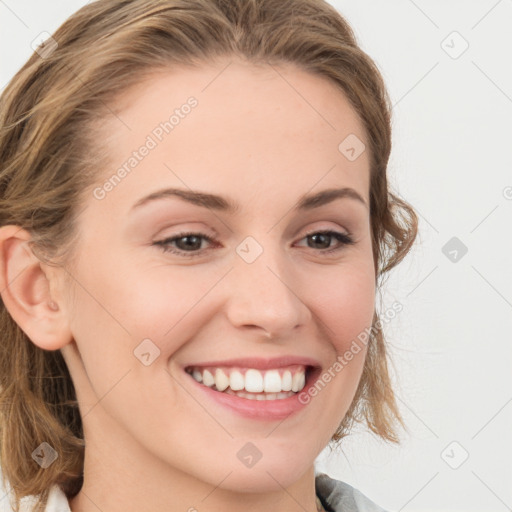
pixel 325 237
pixel 192 242
pixel 188 244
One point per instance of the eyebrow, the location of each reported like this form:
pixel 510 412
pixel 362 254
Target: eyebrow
pixel 219 203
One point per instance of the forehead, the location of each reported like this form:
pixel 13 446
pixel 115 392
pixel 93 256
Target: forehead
pixel 249 125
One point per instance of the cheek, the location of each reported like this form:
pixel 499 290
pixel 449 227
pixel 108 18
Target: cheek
pixel 346 304
pixel 119 304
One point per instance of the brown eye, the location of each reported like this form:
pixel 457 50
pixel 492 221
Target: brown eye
pixel 184 244
pixel 322 240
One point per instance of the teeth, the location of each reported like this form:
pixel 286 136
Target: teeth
pixel 287 381
pixel 208 379
pixel 298 382
pixel 253 381
pixel 236 381
pixel 271 384
pixel 221 380
pixel 262 396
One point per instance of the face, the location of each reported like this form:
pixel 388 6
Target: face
pixel 238 285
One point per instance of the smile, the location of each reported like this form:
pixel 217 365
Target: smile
pixel 251 383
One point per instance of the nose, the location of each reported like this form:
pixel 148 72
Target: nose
pixel 265 296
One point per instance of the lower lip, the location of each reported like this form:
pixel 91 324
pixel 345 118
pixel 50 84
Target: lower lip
pixel 268 410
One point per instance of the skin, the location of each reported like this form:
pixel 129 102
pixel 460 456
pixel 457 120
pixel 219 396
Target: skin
pixel 153 441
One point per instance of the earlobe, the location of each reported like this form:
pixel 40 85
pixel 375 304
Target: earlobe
pixel 25 291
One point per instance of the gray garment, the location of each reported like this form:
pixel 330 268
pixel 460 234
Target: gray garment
pixel 337 496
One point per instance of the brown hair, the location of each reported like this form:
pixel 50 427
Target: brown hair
pixel 47 114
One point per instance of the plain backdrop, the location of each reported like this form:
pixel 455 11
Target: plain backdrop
pixel 448 70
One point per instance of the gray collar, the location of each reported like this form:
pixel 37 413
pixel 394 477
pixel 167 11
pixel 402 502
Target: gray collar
pixel 337 496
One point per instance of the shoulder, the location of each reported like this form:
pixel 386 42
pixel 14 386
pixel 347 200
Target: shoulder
pixel 342 497
pixel 57 500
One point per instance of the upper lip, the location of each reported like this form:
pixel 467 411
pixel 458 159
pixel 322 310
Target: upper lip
pixel 260 363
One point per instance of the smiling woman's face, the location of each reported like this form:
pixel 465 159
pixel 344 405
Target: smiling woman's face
pixel 248 284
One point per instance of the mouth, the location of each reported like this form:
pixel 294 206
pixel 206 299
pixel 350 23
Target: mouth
pixel 255 388
pixel 248 383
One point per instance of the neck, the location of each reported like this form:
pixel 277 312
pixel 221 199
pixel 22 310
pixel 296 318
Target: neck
pixel 120 475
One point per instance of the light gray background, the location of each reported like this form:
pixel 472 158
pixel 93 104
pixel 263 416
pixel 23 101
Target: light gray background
pixel 452 160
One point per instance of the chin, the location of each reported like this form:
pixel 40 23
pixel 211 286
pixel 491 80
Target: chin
pixel 263 477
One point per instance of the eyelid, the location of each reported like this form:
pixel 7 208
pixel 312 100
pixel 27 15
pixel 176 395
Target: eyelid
pixel 313 231
pixel 344 239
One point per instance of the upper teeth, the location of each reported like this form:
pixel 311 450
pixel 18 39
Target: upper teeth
pixel 252 380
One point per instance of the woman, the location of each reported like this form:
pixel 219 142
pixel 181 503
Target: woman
pixel 195 220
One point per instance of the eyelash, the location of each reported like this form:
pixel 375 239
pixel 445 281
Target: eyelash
pixel 343 238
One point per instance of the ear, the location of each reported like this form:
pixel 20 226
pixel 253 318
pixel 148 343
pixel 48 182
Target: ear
pixel 25 284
